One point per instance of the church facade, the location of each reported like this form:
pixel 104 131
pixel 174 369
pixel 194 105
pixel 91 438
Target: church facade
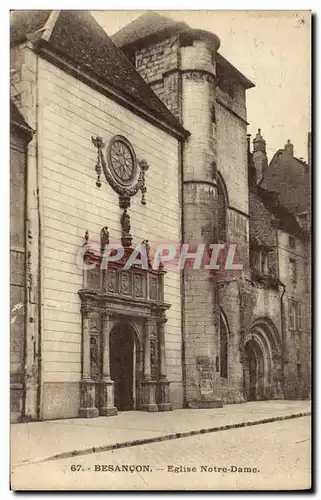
pixel 142 140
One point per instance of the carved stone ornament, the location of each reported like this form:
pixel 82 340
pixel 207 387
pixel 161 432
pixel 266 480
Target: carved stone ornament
pixel 122 171
pixel 126 238
pixel 104 238
pixel 99 143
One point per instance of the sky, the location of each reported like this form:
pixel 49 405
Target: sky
pixel 273 50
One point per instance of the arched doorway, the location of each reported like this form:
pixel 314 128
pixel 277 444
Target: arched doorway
pixel 253 371
pixel 123 366
pixel 262 361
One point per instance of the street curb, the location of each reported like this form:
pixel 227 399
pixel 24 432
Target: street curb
pixel 166 437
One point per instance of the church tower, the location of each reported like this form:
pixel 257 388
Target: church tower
pixel 181 65
pixel 200 329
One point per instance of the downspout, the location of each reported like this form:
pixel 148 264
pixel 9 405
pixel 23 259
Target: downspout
pixel 182 280
pixel 181 170
pixel 39 353
pixel 283 337
pixel 26 266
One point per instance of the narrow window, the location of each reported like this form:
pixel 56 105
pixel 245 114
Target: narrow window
pixel 292 315
pixel 299 370
pixel 299 316
pixel 293 273
pixel 291 242
pixel 223 349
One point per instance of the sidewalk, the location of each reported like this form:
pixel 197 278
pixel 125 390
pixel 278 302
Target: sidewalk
pixel 37 441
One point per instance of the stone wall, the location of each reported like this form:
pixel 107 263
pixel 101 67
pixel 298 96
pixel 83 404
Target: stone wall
pixel 17 273
pixel 23 65
pixel 158 64
pixel 298 342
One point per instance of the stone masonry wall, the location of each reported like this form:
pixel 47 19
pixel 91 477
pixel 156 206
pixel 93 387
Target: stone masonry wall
pixel 298 342
pixel 158 65
pixel 23 65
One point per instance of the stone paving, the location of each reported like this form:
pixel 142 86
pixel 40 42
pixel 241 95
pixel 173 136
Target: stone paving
pixel 35 441
pixel 273 456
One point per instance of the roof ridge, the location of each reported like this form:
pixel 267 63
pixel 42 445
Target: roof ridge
pixel 105 61
pixel 50 24
pixel 122 54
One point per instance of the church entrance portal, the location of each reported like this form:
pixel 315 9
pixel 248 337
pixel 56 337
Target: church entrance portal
pixel 253 372
pixel 123 366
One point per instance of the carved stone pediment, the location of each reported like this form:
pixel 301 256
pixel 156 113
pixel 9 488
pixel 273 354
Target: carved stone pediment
pixel 137 287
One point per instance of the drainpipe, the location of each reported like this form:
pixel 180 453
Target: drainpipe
pixel 182 279
pixel 283 337
pixel 26 270
pixel 181 195
pixel 284 350
pixel 39 353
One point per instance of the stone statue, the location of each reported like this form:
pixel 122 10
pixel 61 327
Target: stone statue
pixel 104 238
pixel 147 246
pixel 125 222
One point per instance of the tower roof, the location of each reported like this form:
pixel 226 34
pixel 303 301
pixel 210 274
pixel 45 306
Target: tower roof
pixel 154 27
pixel 75 38
pixel 145 26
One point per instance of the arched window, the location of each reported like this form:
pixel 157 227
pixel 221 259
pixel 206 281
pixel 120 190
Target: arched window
pixel 222 204
pixel 223 347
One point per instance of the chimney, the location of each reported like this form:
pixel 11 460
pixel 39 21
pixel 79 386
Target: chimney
pixel 289 148
pixel 259 156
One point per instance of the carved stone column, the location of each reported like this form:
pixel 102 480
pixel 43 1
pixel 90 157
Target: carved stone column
pixel 87 385
pixel 107 406
pixel 148 385
pixel 163 383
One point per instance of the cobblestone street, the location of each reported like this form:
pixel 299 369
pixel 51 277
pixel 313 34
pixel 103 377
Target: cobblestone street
pixel 278 455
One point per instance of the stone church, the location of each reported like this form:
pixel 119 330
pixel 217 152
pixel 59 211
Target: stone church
pixel 141 138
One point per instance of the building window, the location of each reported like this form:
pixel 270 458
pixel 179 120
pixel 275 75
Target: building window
pixel 295 315
pixel 223 349
pixel 213 114
pixel 217 364
pixel 291 242
pixel 264 263
pixel 293 273
pixel 299 370
pixel 260 261
pixel 222 204
pixel 299 316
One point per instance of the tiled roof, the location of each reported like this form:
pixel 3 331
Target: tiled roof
pixel 262 232
pixel 24 22
pixel 290 178
pixel 80 40
pixel 152 24
pixel 267 213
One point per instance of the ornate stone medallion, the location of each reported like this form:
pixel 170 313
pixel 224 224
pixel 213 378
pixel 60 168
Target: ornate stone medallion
pixel 122 161
pixel 123 172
